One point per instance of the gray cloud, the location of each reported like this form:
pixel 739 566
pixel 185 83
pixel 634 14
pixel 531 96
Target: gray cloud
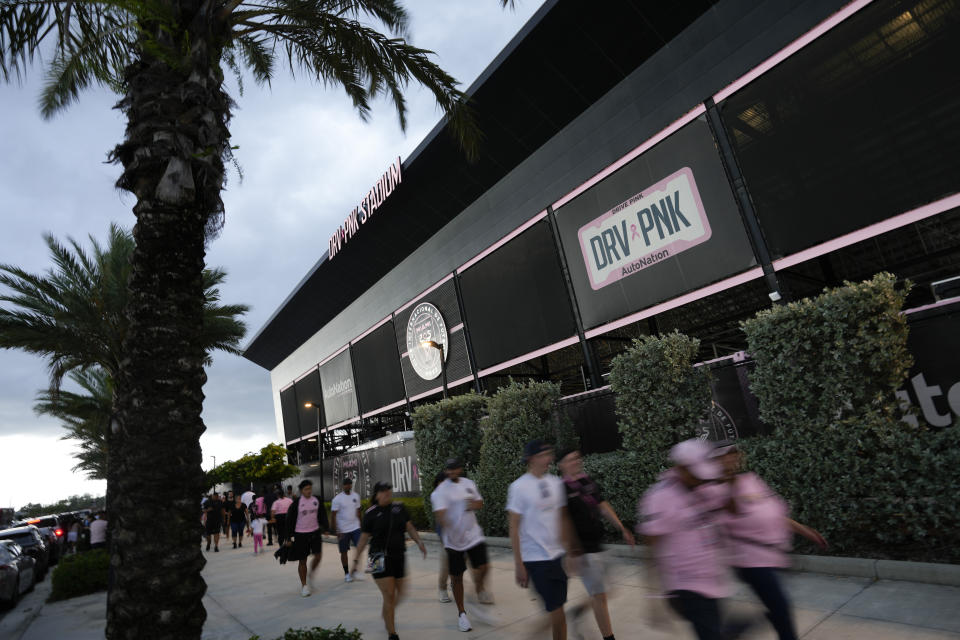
pixel 307 159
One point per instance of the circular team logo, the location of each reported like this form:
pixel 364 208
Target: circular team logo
pixel 355 466
pixel 717 425
pixel 426 323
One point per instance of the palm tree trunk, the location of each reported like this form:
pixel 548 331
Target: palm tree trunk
pixel 172 156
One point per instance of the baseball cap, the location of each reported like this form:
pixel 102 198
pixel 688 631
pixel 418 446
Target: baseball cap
pixel 696 456
pixel 453 463
pixel 534 447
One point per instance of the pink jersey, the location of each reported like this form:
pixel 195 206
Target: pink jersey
pixel 688 549
pixel 757 533
pixel 307 515
pixel 281 506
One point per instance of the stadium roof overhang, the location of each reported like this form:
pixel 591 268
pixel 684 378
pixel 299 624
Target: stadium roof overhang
pixel 564 59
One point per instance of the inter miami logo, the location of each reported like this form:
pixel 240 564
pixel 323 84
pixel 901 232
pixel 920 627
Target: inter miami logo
pixel 717 425
pixel 426 323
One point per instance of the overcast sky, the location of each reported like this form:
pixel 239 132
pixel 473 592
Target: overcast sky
pixel 307 159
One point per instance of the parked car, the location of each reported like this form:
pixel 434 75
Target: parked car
pixel 53 532
pixel 33 544
pixel 16 572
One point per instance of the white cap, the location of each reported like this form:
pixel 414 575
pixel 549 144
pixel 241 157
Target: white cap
pixel 695 456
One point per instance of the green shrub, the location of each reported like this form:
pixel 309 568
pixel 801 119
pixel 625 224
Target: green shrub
pixel 80 574
pixel 448 429
pixel 517 413
pixel 624 477
pixel 318 633
pixel 836 356
pixel 872 486
pixel 661 398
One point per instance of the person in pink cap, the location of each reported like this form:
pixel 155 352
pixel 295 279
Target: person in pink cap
pixel 679 517
pixel 758 536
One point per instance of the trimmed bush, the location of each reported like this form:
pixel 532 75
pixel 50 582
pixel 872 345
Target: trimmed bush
pixel 448 429
pixel 833 357
pixel 872 486
pixel 80 574
pixel 418 512
pixel 661 398
pixel 318 633
pixel 518 413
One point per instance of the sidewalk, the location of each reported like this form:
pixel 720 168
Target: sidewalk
pixel 250 595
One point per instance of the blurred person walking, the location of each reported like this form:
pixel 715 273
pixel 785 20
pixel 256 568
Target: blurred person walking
pixel 586 505
pixel 238 517
pixel 758 532
pixel 384 526
pixel 269 497
pixel 278 513
pixel 227 501
pixel 443 575
pixel 540 532
pixel 305 522
pixel 679 515
pixel 215 515
pixel 98 531
pixel 456 502
pixel 345 514
pixel 257 524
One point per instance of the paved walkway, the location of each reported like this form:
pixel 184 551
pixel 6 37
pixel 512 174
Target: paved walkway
pixel 254 595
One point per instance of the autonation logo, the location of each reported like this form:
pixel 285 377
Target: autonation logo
pixel 338 389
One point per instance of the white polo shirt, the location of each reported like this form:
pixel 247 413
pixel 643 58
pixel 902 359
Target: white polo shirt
pixel 461 530
pixel 345 506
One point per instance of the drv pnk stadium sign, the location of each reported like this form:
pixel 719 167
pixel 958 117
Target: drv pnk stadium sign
pixel 658 223
pixel 375 197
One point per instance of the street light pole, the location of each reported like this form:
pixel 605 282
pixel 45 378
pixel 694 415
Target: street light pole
pixel 310 405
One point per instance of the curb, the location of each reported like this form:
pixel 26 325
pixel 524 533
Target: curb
pixel 926 572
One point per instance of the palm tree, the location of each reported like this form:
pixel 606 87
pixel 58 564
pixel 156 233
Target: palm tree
pixel 74 316
pixel 86 417
pixel 166 58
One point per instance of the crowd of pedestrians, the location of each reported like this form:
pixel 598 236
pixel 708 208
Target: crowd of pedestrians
pixel 705 519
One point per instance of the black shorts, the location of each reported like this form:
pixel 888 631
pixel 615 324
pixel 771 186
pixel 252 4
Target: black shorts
pixel 393 566
pixel 457 559
pixel 550 581
pixel 304 544
pixel 213 527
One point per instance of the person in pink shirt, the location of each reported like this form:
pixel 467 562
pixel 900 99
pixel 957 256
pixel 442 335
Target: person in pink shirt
pixel 679 517
pixel 306 522
pixel 758 533
pixel 278 515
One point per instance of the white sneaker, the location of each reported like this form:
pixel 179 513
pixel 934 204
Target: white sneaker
pixel 463 623
pixel 443 595
pixel 348 578
pixel 484 597
pixel 482 615
pixel 304 591
pixel 358 576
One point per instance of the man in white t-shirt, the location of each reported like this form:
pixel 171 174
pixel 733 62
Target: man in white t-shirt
pixel 346 522
pixel 540 532
pixel 456 501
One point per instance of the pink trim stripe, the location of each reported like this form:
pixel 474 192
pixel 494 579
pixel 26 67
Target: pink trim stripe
pixel 333 355
pixel 656 138
pixel 423 293
pixel 305 374
pixel 450 385
pixel 791 49
pixel 927 307
pixel 285 387
pixel 455 328
pixel 583 393
pixel 371 329
pixel 457 383
pixel 341 424
pixel 382 409
pixel 502 241
pixel 529 356
pixel 926 211
pixel 716 287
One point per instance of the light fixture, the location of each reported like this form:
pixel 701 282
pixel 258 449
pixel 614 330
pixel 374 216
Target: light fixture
pixel 430 344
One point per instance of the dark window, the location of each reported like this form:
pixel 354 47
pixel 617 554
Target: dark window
pixel 564 366
pixel 515 299
pixel 861 125
pixel 291 417
pixel 377 364
pixel 308 390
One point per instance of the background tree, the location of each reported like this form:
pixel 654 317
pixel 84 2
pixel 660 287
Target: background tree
pixel 167 58
pixel 73 316
pixel 269 466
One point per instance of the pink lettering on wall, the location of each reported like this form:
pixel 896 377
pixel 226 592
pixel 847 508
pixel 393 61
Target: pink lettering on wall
pixel 373 200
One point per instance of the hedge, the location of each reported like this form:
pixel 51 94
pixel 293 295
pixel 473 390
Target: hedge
pixel 448 429
pixel 318 633
pixel 418 512
pixel 518 413
pixel 80 574
pixel 839 355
